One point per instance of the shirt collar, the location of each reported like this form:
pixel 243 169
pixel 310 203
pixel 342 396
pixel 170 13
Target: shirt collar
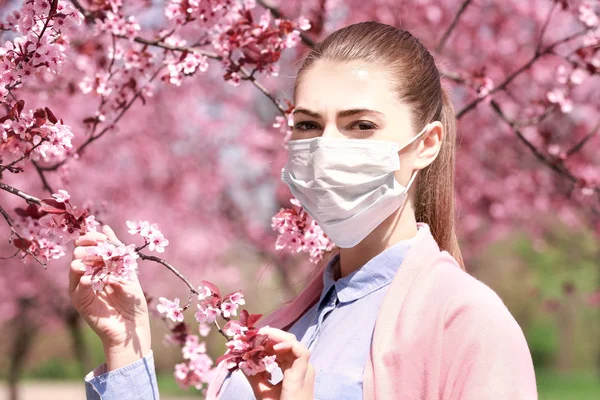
pixel 375 274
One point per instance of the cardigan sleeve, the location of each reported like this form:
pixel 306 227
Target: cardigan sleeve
pixel 485 349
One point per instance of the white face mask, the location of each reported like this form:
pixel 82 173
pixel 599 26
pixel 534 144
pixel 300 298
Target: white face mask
pixel 347 185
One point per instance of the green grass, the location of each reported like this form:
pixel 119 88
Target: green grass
pixel 583 385
pixel 168 386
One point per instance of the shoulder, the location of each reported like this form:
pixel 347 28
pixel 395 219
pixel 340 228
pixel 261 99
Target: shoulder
pixel 472 311
pixel 465 295
pixel 483 345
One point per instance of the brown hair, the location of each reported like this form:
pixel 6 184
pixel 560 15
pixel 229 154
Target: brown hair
pixel 418 84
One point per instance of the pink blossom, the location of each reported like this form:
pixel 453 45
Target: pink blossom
pixel 299 232
pixel 193 347
pixel 557 96
pixel 171 309
pixel 234 328
pixel 204 330
pixel 207 314
pixel 228 309
pixel 303 23
pixel 204 292
pixel 237 298
pixel 587 14
pixel 62 196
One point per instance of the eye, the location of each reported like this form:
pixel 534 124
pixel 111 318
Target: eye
pixel 363 126
pixel 306 126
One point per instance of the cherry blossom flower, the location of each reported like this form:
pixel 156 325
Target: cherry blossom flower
pixel 587 15
pixel 228 309
pixel 558 96
pixel 207 314
pixel 171 308
pixel 299 232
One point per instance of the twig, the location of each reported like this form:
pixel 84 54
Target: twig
pixel 178 274
pixel 278 14
pixel 546 23
pixel 558 168
pixel 42 177
pixel 158 43
pixel 580 145
pixel 446 34
pixel 221 330
pixel 30 199
pixel 10 166
pixel 50 12
pixel 14 232
pixel 524 67
pixel 109 126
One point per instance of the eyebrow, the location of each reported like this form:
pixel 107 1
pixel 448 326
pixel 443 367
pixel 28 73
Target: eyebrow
pixel 341 114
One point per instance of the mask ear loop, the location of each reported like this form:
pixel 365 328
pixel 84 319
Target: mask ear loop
pixel 418 135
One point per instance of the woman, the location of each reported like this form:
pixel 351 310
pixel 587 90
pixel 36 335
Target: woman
pixel 392 314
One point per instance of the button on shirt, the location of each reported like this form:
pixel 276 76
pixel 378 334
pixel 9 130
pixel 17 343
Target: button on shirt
pixel 338 329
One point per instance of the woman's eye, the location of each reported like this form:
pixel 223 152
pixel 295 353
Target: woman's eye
pixel 306 126
pixel 363 126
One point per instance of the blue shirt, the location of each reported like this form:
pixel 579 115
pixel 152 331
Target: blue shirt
pixel 338 329
pixel 136 381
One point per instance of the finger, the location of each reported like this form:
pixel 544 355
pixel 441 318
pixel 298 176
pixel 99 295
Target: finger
pixel 75 273
pixel 90 239
pixel 82 252
pixel 309 379
pixel 261 386
pixel 111 235
pixel 277 335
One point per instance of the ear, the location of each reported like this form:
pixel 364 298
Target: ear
pixel 429 147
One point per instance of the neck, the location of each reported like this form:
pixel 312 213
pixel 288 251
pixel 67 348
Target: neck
pixel 401 225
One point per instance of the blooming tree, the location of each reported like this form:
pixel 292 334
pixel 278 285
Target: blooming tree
pixel 128 107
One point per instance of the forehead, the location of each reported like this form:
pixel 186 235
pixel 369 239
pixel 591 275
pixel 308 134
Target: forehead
pixel 333 86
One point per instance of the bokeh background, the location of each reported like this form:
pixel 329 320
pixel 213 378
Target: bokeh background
pixel 201 158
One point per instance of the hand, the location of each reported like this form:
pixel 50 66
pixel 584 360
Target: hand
pixel 118 313
pixel 298 375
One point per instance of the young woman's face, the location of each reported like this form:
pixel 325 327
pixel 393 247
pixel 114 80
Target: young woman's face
pixel 353 100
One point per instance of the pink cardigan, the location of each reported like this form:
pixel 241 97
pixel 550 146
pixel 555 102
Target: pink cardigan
pixel 439 334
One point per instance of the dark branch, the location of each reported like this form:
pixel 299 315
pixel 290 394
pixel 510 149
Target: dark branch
pixel 538 54
pixel 446 35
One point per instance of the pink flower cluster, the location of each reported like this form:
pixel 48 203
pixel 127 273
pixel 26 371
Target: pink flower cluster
pixel 171 309
pixel 196 370
pixel 247 349
pixel 107 259
pixel 299 232
pixel 45 229
pixel 184 65
pixel 154 238
pixel 118 25
pixel 37 135
pixel 567 78
pixel 238 37
pixel 212 305
pixel 42 44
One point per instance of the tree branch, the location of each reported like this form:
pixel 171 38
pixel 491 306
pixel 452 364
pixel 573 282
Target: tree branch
pixel 557 167
pixel 587 137
pixel 178 274
pixel 537 55
pixel 446 35
pixel 30 199
pixel 278 14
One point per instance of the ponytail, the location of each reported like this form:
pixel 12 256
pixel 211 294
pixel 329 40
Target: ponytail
pixel 434 200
